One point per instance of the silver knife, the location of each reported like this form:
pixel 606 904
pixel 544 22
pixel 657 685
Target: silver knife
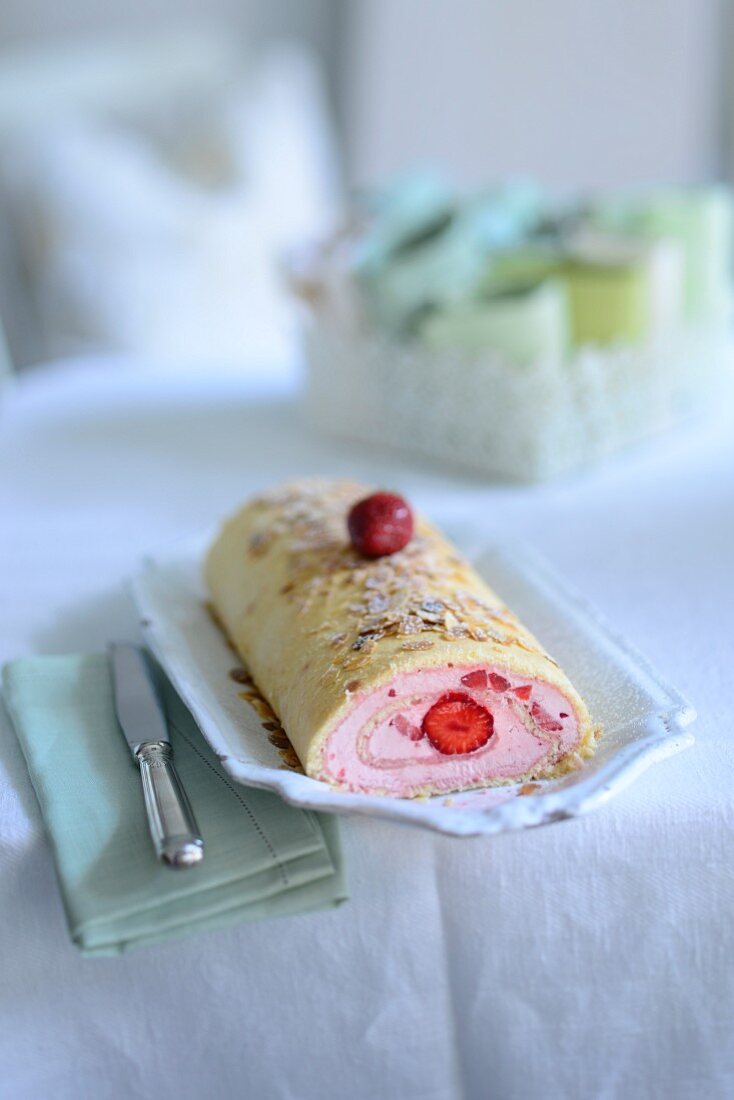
pixel 142 719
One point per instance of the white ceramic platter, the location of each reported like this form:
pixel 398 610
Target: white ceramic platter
pixel 644 720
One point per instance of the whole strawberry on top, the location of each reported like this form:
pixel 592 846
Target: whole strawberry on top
pixel 380 524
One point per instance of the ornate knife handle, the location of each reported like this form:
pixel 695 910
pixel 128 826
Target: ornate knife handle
pixel 171 820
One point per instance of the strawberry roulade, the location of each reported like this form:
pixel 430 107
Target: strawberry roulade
pixel 392 666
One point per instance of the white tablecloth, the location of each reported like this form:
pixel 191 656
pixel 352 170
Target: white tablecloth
pixel 589 959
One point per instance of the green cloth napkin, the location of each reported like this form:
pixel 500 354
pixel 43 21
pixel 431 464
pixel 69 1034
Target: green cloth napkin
pixel 263 858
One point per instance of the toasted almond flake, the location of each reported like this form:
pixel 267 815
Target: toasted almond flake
pixel 403 595
pixel 240 676
pixel 259 543
pixel 529 788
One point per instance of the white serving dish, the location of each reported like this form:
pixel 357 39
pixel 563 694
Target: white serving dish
pixel 644 720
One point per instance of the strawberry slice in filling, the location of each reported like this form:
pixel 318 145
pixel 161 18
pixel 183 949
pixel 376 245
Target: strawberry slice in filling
pixel 452 728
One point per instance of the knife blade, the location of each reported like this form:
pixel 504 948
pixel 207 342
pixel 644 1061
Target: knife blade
pixel 142 719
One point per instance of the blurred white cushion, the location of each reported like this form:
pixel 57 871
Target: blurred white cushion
pixel 163 238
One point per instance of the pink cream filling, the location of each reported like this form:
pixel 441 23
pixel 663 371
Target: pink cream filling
pixel 379 746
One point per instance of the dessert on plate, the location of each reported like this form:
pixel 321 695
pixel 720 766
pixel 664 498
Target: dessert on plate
pixel 578 327
pixel 392 666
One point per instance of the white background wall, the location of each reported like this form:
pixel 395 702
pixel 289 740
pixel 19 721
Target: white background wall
pixel 23 20
pixel 316 22
pixel 578 92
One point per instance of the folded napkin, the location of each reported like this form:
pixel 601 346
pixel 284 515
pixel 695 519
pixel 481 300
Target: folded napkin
pixel 263 858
